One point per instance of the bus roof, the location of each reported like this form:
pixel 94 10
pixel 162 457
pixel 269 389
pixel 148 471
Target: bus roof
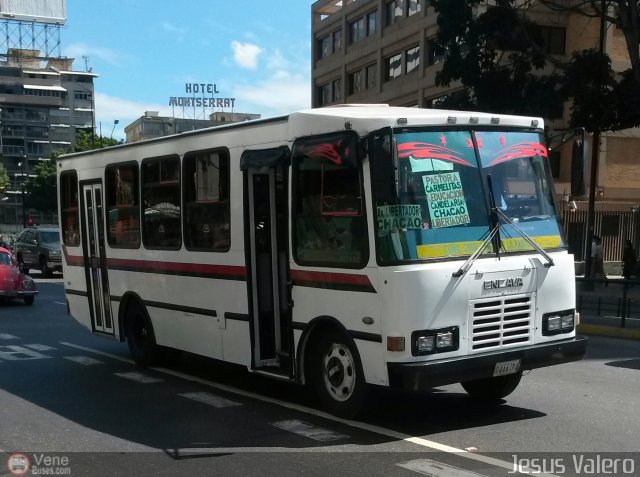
pixel 363 118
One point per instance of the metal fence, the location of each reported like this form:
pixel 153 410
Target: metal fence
pixel 614 226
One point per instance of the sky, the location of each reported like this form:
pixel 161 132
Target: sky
pixel 146 51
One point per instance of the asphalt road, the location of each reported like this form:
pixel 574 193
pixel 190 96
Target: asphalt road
pixel 75 404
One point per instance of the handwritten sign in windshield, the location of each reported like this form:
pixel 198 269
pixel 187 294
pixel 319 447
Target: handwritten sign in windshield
pixel 447 205
pixel 398 217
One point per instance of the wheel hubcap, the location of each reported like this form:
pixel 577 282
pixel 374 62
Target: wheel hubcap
pixel 339 372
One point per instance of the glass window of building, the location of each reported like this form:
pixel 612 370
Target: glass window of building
pixel 393 11
pixel 358 30
pixel 337 90
pixel 393 66
pixel 337 40
pixel 413 7
pixel 372 20
pixel 324 47
pixel 553 39
pixel 324 94
pixel 372 75
pixel 355 82
pixel 413 58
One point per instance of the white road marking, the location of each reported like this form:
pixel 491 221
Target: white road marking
pixel 18 353
pixel 40 347
pixel 4 336
pixel 59 303
pixel 307 430
pixel 433 468
pixel 210 399
pixel 85 360
pixel 139 377
pixel 419 441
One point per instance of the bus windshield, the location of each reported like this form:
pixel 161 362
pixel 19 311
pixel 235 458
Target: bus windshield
pixel 439 204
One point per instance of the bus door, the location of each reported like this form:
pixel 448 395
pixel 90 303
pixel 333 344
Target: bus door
pixel 266 228
pixel 93 237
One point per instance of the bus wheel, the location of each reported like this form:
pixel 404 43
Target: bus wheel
pixel 140 337
pixel 491 389
pixel 337 375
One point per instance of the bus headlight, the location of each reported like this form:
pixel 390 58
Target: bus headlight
pixel 559 322
pixel 434 341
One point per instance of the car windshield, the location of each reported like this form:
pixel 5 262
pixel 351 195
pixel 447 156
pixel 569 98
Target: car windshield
pixel 50 236
pixel 439 203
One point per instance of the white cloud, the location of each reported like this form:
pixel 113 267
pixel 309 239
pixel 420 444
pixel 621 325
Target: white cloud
pixel 78 50
pixel 280 94
pixel 246 54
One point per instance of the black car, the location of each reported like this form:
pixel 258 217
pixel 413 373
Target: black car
pixel 39 247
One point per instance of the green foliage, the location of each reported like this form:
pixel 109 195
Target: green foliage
pixel 499 59
pixel 41 190
pixel 4 178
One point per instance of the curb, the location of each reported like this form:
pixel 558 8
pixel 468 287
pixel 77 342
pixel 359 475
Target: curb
pixel 610 331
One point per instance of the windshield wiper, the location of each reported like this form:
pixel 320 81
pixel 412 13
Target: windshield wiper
pixel 467 265
pixel 531 242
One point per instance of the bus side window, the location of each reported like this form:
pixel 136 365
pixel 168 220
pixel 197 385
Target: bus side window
pixel 69 207
pixel 206 200
pixel 123 211
pixel 161 203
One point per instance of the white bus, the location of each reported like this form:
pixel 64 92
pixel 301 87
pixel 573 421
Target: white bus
pixel 340 247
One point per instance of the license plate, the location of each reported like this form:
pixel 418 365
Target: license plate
pixel 506 367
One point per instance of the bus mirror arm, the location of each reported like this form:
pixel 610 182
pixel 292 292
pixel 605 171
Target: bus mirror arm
pixel 531 242
pixel 467 265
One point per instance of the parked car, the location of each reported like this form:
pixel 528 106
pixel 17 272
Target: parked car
pixel 39 248
pixel 14 283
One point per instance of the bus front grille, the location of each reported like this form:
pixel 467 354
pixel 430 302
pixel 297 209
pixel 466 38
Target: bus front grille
pixel 501 321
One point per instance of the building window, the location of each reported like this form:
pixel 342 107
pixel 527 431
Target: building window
pixel 372 20
pixel 553 39
pixel 123 206
pixel 337 40
pixel 337 90
pixel 393 66
pixel 393 11
pixel 82 95
pixel 324 94
pixel 161 203
pixel 372 75
pixel 324 47
pixel 413 7
pixel 358 30
pixel 206 201
pixel 328 202
pixel 355 82
pixel 412 58
pixel 433 57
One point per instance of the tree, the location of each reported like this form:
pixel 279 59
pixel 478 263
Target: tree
pixel 499 57
pixel 4 178
pixel 41 190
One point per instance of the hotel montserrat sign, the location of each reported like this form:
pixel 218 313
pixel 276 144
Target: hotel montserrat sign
pixel 201 97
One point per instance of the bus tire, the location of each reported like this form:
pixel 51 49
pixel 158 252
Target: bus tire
pixel 140 337
pixel 492 389
pixel 337 376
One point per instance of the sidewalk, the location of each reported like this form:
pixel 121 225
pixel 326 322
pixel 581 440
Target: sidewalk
pixel 608 322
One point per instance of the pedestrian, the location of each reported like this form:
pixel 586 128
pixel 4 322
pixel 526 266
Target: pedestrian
pixel 597 258
pixel 628 260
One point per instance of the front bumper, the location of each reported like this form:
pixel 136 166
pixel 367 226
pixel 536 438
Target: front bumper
pixel 17 293
pixel 56 266
pixel 424 375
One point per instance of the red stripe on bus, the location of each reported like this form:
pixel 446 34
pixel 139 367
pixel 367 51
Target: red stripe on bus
pixel 332 280
pixel 179 267
pixel 72 260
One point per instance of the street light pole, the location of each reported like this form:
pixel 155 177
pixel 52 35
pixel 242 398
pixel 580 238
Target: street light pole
pixel 23 165
pixel 595 156
pixel 115 122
